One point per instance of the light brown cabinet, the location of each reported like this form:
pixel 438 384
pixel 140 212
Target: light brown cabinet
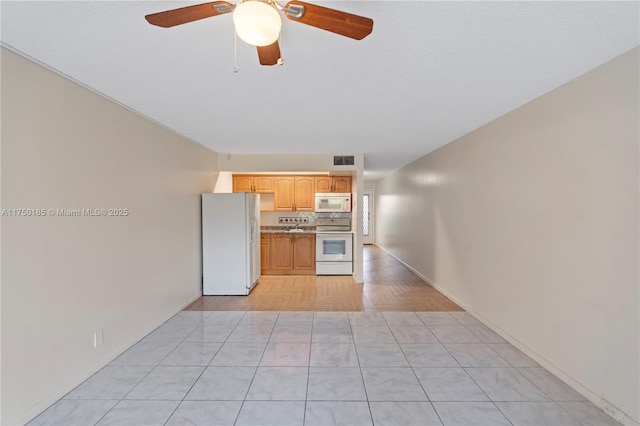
pixel 333 184
pixel 304 254
pixel 284 194
pixel 281 253
pixel 294 193
pixel 291 193
pixel 342 184
pixel 305 195
pixel 289 254
pixel 253 183
pixel 265 251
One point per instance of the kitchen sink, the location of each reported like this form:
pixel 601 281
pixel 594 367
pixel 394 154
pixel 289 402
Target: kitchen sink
pixel 294 230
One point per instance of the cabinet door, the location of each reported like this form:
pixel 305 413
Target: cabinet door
pixel 342 184
pixel 263 184
pixel 242 183
pixel 304 252
pixel 284 193
pixel 323 183
pixel 265 255
pixel 304 193
pixel 281 252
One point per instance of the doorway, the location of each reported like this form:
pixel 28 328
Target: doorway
pixel 367 216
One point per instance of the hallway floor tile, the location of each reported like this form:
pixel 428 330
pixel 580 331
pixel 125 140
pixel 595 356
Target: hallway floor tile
pixel 284 368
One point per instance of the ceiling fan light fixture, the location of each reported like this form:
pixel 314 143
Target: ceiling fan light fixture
pixel 257 23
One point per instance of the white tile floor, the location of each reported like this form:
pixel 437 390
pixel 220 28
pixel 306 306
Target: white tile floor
pixel 323 368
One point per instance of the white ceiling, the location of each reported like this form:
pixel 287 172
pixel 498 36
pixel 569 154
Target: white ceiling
pixel 429 73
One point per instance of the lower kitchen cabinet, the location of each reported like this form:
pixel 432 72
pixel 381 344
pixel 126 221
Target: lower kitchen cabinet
pixel 281 253
pixel 288 254
pixel 304 253
pixel 265 252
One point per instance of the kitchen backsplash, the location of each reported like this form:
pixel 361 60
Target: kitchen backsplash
pixel 271 218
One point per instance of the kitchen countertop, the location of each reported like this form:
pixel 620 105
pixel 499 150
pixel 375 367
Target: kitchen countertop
pixel 285 229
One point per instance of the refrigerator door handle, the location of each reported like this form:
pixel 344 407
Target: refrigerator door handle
pixel 253 230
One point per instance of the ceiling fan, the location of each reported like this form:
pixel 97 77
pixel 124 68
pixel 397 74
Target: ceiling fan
pixel 258 22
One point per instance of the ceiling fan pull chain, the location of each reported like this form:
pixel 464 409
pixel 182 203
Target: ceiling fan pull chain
pixel 235 68
pixel 280 60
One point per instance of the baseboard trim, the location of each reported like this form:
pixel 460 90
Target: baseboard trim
pixel 608 408
pixel 73 383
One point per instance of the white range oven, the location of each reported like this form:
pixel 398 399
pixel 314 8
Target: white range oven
pixel 334 246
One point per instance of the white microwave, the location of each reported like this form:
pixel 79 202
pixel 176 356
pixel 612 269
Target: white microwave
pixel 333 202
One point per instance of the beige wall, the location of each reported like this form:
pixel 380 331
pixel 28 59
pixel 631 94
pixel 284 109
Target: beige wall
pixel 64 147
pixel 531 223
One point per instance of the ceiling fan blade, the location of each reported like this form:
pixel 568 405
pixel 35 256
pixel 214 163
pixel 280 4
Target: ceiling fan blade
pixel 170 18
pixel 270 54
pixel 335 21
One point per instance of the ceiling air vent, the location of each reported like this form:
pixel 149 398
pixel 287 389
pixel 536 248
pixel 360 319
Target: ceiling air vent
pixel 343 160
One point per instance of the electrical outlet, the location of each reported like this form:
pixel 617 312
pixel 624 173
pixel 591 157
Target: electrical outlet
pixel 612 410
pixel 98 338
pixel 293 220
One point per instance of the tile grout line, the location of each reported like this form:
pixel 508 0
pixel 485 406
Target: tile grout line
pixel 255 373
pixel 366 394
pixel 412 369
pixel 213 357
pixel 306 396
pixel 150 371
pixel 201 373
pixel 463 368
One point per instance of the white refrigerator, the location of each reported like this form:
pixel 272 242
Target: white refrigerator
pixel 230 243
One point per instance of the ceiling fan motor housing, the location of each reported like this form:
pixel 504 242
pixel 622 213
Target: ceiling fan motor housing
pixel 257 23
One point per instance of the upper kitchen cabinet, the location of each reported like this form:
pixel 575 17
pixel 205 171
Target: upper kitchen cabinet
pixel 283 195
pixel 253 183
pixel 342 184
pixel 242 183
pixel 294 193
pixel 326 184
pixel 305 194
pixel 263 184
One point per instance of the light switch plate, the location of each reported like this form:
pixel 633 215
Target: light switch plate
pixel 98 338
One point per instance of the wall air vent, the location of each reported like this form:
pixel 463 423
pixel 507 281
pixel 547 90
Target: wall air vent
pixel 343 160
